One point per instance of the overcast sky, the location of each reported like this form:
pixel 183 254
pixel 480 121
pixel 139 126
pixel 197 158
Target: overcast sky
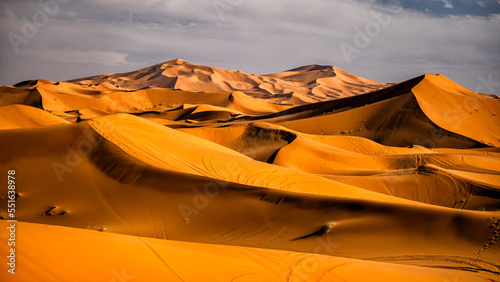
pixel 384 40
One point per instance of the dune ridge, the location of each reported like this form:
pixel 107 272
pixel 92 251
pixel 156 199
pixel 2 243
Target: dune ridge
pixel 297 86
pixel 209 174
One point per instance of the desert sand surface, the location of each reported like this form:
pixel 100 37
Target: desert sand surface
pixel 182 172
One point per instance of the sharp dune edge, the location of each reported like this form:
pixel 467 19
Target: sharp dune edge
pixel 181 172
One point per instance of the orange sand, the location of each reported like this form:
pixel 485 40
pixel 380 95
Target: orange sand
pixel 179 172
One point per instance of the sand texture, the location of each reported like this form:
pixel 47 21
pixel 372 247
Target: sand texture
pixel 182 172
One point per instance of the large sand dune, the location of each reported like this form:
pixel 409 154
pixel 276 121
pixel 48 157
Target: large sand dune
pixel 180 172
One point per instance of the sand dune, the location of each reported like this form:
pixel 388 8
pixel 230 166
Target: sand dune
pixel 31 117
pixel 195 173
pixel 297 86
pixel 96 250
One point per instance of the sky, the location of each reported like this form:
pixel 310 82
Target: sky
pixel 384 40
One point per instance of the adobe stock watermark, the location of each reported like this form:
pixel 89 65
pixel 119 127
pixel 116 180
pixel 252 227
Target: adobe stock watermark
pixel 85 147
pixel 11 209
pixel 394 181
pixel 47 9
pixel 440 136
pixel 488 84
pixel 121 276
pixel 303 271
pixel 76 154
pixel 372 28
pixel 470 103
pixel 201 198
pixel 224 6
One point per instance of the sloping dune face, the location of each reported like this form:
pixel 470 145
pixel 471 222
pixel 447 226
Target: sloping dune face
pixel 179 172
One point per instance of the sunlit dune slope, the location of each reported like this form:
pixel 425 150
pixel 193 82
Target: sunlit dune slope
pixel 459 110
pixel 410 118
pixel 176 151
pixel 31 117
pixel 104 257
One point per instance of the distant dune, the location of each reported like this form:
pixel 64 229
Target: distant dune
pixel 181 172
pixel 297 86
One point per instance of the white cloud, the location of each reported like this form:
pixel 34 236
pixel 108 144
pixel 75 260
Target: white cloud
pixel 97 57
pixel 447 4
pixel 255 36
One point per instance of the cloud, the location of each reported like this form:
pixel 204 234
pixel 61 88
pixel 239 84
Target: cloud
pixel 447 4
pixel 253 36
pixel 94 57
